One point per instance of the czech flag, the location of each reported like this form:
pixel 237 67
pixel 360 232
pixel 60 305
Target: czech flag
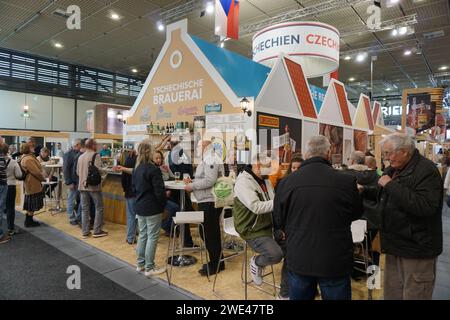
pixel 227 18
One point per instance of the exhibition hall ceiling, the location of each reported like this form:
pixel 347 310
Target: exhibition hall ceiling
pixel 122 36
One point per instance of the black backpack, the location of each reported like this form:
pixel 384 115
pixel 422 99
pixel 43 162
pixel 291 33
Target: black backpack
pixel 94 177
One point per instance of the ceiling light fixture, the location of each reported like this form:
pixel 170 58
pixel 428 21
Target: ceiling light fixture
pixel 402 31
pixel 351 79
pixel 407 52
pixel 347 58
pixel 115 16
pixel 443 68
pixel 361 57
pixel 58 45
pixel 134 70
pixel 209 8
pixel 160 26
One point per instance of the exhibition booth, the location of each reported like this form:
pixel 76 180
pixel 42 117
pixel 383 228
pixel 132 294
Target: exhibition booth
pixel 197 90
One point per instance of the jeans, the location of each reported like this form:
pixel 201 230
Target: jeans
pixel 270 252
pixel 131 219
pixel 148 240
pixel 86 198
pixel 172 208
pixel 71 199
pixel 3 193
pixel 305 287
pixel 11 207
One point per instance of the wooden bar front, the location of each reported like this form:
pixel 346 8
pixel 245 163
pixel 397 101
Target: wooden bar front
pixel 113 199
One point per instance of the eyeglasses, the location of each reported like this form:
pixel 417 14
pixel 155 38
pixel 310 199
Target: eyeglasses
pixel 387 154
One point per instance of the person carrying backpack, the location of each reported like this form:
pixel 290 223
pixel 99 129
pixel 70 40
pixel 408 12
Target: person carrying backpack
pixel 88 171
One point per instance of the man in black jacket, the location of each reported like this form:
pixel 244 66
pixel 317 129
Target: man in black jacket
pixel 71 180
pixel 315 207
pixel 410 196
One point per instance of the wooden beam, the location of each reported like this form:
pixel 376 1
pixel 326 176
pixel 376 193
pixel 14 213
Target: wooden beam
pixel 27 133
pixel 104 136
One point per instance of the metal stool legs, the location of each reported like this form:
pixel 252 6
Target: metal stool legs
pixel 171 249
pixel 245 276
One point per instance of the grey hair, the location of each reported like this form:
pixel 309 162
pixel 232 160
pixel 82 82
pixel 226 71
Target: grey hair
pixel 371 161
pixel 359 157
pixel 317 146
pixel 76 141
pixel 399 141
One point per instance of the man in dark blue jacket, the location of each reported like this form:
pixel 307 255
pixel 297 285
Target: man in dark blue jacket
pixel 315 207
pixel 71 180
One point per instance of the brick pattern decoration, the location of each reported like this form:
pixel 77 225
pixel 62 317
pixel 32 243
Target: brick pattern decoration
pixel 301 89
pixel 368 112
pixel 376 112
pixel 343 105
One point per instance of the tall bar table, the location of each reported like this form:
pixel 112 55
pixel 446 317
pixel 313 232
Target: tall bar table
pixel 180 260
pixel 57 167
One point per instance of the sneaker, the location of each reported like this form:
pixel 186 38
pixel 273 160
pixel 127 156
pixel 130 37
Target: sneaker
pixel 85 236
pixel 13 232
pixel 256 272
pixel 100 234
pixel 5 239
pixel 280 297
pixel 139 269
pixel 155 271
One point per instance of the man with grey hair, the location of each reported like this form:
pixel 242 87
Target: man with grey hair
pixel 315 208
pixel 71 180
pixel 410 196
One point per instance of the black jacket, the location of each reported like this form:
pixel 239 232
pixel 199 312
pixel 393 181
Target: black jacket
pixel 127 180
pixel 70 167
pixel 315 206
pixel 368 178
pixel 411 210
pixel 148 185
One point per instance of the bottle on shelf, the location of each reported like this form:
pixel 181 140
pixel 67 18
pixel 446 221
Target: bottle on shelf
pixel 158 130
pixel 167 128
pixel 150 129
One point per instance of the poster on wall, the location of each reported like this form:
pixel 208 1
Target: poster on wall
pixel 282 133
pixel 90 121
pixel 360 139
pixel 421 112
pixel 336 137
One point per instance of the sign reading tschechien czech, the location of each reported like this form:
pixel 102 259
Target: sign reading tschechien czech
pixel 313 44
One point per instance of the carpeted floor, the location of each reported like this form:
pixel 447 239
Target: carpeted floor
pixel 32 269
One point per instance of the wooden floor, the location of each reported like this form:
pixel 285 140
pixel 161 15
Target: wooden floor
pixel 229 285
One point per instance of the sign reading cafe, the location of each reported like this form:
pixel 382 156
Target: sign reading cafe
pixel 178 92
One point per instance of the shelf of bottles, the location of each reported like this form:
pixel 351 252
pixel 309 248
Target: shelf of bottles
pixel 168 128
